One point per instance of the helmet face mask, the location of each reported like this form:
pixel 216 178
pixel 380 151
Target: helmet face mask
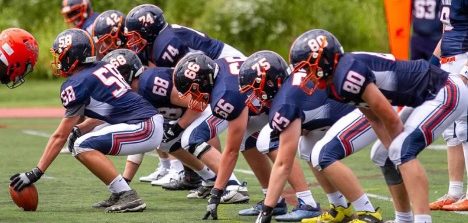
pixel 315 55
pixel 75 12
pixel 71 48
pixel 142 25
pixel 194 78
pixel 108 32
pixel 260 77
pixel 135 42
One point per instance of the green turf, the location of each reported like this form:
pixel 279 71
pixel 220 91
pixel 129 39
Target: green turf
pixel 67 196
pixel 33 93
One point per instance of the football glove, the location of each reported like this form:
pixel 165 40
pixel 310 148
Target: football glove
pixel 213 202
pixel 265 216
pixel 74 134
pixel 171 131
pixel 21 180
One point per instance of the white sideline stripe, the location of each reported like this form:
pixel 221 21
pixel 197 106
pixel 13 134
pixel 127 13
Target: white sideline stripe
pixel 437 147
pixel 36 133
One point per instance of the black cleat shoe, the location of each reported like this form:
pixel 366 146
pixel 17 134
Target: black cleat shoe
pixel 128 202
pixel 107 203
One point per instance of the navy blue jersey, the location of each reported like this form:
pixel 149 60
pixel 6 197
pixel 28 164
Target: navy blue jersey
pixel 155 85
pixel 226 101
pixel 454 16
pixel 105 95
pixel 315 111
pixel 174 41
pixel 404 83
pixel 425 19
pixel 88 23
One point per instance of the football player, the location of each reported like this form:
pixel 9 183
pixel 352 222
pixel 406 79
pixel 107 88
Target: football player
pixel 163 44
pixel 133 124
pixel 301 121
pixel 453 50
pixel 215 83
pixel 427 28
pixel 375 82
pixel 18 55
pixel 156 85
pixel 108 32
pixel 79 14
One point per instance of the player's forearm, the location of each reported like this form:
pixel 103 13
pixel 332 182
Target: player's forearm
pixel 188 117
pixel 54 145
pixel 88 125
pixel 228 163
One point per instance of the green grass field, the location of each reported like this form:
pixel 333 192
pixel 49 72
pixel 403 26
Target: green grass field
pixel 68 189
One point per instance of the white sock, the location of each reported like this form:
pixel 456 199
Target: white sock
pixel 403 217
pixel 465 154
pixel 165 163
pixel 455 189
pixel 337 199
pixel 118 185
pixel 363 204
pixel 306 198
pixel 177 165
pixel 206 173
pixel 422 218
pixel 264 191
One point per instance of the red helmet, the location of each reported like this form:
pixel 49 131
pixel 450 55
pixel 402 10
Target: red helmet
pixel 18 55
pixel 76 11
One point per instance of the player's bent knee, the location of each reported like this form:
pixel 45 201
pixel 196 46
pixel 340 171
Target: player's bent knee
pixel 391 174
pixel 136 158
pixel 199 149
pixel 79 150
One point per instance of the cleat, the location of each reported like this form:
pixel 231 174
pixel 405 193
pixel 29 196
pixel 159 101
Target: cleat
pixel 128 202
pixel 107 203
pixel 156 175
pixel 280 209
pixel 189 181
pixel 201 192
pixel 368 217
pixel 336 214
pixel 460 205
pixel 235 194
pixel 441 202
pixel 300 212
pixel 171 176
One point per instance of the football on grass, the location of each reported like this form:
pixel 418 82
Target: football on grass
pixel 26 198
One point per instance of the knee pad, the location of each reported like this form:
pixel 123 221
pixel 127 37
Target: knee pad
pixel 391 174
pixel 327 155
pixel 379 154
pixel 136 158
pixel 199 150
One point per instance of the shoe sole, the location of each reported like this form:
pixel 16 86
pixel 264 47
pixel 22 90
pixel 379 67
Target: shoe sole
pixel 244 201
pixel 138 208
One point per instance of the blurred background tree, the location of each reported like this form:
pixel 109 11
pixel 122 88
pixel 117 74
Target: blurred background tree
pixel 249 25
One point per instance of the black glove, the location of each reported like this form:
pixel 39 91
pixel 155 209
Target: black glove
pixel 213 202
pixel 21 180
pixel 171 131
pixel 74 134
pixel 265 216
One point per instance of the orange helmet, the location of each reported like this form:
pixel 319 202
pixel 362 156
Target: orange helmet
pixel 18 55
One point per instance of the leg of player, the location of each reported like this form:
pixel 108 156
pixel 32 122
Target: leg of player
pixel 161 170
pixel 131 166
pixel 307 207
pixel 424 124
pixel 462 137
pixel 393 179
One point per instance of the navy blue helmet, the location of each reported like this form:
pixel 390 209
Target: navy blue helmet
pixel 71 48
pixel 194 75
pixel 315 52
pixel 76 12
pixel 261 76
pixel 142 25
pixel 127 62
pixel 108 31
